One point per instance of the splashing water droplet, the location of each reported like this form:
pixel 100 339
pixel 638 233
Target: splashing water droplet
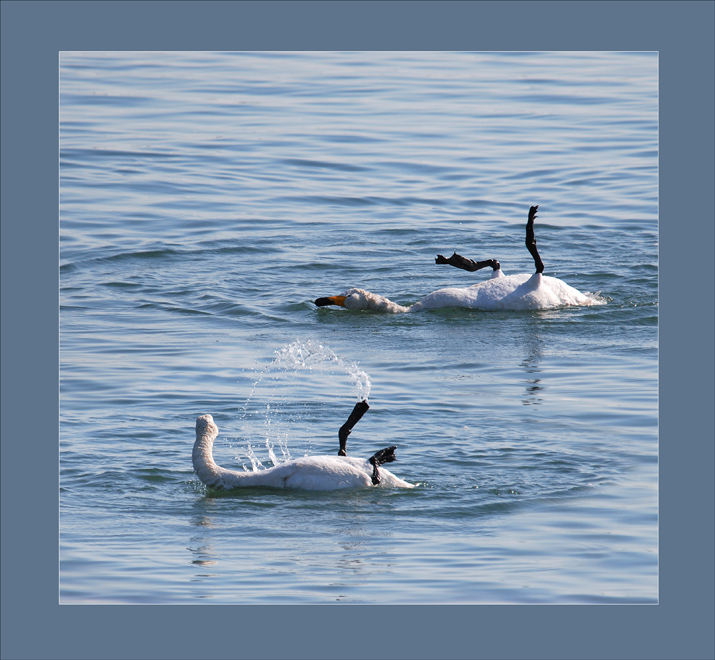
pixel 283 401
pixel 306 355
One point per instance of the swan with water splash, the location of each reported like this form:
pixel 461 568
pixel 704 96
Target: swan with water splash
pixel 513 292
pixel 306 473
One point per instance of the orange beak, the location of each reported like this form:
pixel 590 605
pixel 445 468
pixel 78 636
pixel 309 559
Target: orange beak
pixel 331 300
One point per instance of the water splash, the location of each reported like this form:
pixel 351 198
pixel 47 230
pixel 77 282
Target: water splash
pixel 289 399
pixel 310 354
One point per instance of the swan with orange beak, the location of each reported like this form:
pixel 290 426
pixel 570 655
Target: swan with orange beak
pixel 501 292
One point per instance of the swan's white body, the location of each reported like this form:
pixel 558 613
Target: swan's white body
pixel 307 473
pixel 515 292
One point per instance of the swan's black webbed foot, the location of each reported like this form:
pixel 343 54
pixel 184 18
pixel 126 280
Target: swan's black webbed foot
pixel 386 455
pixel 361 407
pixel 531 240
pixel 458 261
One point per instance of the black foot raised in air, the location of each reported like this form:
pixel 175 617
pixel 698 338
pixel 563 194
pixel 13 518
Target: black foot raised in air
pixel 386 455
pixel 361 407
pixel 458 261
pixel 531 241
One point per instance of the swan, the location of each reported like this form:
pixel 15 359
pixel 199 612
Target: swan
pixel 307 473
pixel 515 292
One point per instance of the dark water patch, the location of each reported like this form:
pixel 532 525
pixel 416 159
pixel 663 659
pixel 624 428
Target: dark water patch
pixel 121 285
pixel 318 266
pixel 106 479
pixel 277 246
pixel 173 308
pixel 69 308
pixel 479 203
pixel 89 154
pixel 370 200
pixel 429 367
pixel 153 475
pixel 106 99
pixel 648 153
pixel 163 253
pixel 562 99
pixel 192 311
pixel 306 305
pixel 432 170
pixel 320 164
pixel 351 139
pixel 329 200
pixel 543 175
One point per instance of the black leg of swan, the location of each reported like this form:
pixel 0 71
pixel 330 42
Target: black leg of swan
pixel 458 261
pixel 386 455
pixel 531 241
pixel 359 410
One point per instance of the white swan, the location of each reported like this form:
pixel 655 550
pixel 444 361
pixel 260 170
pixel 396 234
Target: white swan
pixel 307 473
pixel 515 292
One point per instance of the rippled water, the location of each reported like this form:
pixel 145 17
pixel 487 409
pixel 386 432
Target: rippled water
pixel 208 198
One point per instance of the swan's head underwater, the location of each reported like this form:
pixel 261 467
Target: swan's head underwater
pixel 523 291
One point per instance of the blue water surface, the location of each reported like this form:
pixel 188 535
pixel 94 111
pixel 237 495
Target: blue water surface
pixel 206 199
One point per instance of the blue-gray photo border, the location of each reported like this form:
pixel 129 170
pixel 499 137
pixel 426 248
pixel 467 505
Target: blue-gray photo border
pixel 34 625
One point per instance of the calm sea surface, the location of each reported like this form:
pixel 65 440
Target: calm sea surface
pixel 206 199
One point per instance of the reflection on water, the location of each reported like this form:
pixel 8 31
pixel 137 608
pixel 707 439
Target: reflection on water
pixel 533 348
pixel 201 547
pixel 342 544
pixel 201 552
